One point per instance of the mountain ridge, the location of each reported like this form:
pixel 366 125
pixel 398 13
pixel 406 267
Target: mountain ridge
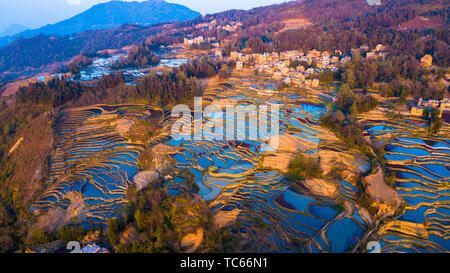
pixel 110 15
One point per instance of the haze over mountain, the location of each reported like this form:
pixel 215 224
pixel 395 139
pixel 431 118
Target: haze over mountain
pixel 13 29
pixel 113 14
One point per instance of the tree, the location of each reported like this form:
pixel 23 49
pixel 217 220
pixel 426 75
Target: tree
pixel 38 236
pixel 224 72
pixel 349 77
pixel 303 167
pixel 139 220
pixel 345 98
pixel 113 230
pixel 435 121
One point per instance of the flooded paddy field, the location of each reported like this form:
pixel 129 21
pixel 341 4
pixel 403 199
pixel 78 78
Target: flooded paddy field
pixel 245 180
pixel 421 164
pixel 105 66
pixel 92 164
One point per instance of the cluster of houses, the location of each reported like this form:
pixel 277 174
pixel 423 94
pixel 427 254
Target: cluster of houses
pixel 195 41
pixel 233 26
pixel 443 105
pixel 279 65
pixel 380 51
pixel 200 40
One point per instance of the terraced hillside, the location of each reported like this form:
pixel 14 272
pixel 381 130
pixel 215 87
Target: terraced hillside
pixel 91 166
pixel 244 180
pixel 422 175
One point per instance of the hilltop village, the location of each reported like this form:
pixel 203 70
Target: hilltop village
pixel 292 67
pixel 300 69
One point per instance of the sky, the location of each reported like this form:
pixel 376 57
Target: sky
pixel 37 13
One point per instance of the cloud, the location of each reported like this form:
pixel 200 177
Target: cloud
pixel 73 2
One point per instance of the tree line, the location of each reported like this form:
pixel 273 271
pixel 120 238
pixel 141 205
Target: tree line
pixel 138 57
pixel 170 88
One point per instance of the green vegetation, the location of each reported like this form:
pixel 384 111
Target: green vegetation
pixel 71 233
pixel 433 116
pixel 156 223
pixel 326 77
pixel 146 159
pixel 338 208
pixel 160 221
pixel 303 167
pixel 365 200
pixel 202 46
pixel 159 90
pixel 337 171
pixel 139 57
pixel 19 181
pixel 226 70
pixel 174 87
pixel 58 92
pixel 150 215
pixel 143 130
pixel 188 181
pixel 342 119
pixel 78 63
pixel 398 76
pixel 349 102
pixel 34 236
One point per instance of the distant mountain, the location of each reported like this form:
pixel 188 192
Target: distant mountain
pixel 13 29
pixel 116 13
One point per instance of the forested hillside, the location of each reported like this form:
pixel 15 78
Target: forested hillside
pixel 335 25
